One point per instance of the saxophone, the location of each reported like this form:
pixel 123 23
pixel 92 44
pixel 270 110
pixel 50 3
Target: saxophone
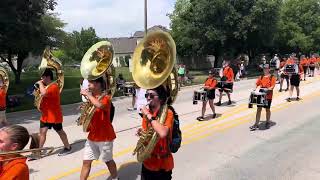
pixel 51 62
pixel 4 76
pixel 153 65
pixel 96 63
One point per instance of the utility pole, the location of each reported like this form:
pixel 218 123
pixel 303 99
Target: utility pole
pixel 145 17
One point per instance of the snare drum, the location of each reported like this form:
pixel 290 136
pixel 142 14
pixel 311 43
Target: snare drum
pixel 221 84
pixel 128 90
pixel 258 98
pixel 290 69
pixel 200 95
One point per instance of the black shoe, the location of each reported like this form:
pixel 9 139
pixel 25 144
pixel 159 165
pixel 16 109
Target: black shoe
pixel 267 125
pixel 297 98
pixel 280 90
pixel 214 115
pixel 254 127
pixel 289 99
pixel 286 89
pixel 201 118
pixel 229 103
pixel 65 151
pixel 218 103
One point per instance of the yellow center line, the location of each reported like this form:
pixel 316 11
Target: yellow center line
pixel 131 148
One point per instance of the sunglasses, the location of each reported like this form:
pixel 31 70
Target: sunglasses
pixel 150 95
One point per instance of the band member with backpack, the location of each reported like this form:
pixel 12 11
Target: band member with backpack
pixel 159 166
pixel 101 133
pixel 266 82
pixel 209 87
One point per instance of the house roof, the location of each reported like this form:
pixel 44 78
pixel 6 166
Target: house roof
pixel 124 45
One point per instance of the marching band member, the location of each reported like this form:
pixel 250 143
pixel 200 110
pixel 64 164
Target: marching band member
pixel 312 64
pixel 304 62
pixel 229 76
pixel 295 81
pixel 3 95
pixel 209 86
pixel 51 114
pixel 267 81
pixel 283 75
pixel 101 133
pixel 13 138
pixel 159 166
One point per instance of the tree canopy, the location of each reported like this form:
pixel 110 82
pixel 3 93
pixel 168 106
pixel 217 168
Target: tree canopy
pixel 219 27
pixel 27 26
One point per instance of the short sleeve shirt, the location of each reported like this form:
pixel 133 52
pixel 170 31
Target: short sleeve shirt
pixel 50 105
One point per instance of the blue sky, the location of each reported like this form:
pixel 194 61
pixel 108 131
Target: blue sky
pixel 113 18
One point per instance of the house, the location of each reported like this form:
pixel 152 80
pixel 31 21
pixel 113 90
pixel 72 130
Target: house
pixel 125 46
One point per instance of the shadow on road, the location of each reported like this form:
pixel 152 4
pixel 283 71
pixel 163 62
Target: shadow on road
pixel 130 171
pixel 262 125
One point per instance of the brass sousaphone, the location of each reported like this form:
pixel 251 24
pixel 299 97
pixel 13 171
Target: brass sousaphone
pixel 51 62
pixel 4 77
pixel 153 65
pixel 96 63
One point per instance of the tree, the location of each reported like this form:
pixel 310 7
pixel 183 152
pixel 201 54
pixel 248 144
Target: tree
pixel 76 44
pixel 26 26
pixel 202 27
pixel 299 25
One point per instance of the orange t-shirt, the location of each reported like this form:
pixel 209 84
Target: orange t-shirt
pixel 282 64
pixel 211 82
pixel 313 61
pixel 304 62
pixel 155 163
pixel 50 105
pixel 228 72
pixel 100 128
pixel 15 170
pixel 2 98
pixel 290 61
pixel 267 82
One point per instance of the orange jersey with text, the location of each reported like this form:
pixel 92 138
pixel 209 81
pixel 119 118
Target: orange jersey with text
pixel 161 157
pixel 211 82
pixel 50 105
pixel 228 72
pixel 100 128
pixel 15 170
pixel 3 95
pixel 267 82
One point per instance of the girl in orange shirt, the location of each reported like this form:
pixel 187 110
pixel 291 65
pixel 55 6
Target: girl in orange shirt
pixel 101 133
pixel 13 138
pixel 159 166
pixel 209 86
pixel 268 82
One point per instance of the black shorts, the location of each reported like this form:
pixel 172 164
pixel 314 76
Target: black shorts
pixel 267 106
pixel 227 87
pixel 312 68
pixel 211 94
pixel 295 80
pixel 283 76
pixel 305 68
pixel 55 126
pixel 146 174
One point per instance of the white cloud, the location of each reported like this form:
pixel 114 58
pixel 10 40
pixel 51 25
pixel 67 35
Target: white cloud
pixel 113 18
